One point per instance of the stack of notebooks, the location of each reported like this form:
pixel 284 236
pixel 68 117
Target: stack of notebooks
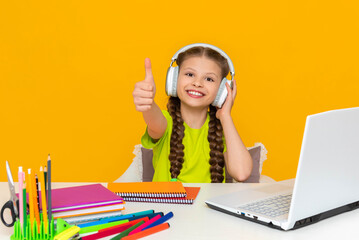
pixel 85 203
pixel 159 192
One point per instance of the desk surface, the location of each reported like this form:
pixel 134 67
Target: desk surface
pixel 198 221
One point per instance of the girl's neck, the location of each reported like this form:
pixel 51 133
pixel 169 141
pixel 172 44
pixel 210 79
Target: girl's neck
pixel 194 117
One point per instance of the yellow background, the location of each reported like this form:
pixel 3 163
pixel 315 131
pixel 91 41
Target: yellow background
pixel 68 69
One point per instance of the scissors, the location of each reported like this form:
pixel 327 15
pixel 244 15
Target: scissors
pixel 13 203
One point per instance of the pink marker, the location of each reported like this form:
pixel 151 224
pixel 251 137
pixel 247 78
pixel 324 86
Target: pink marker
pixel 21 176
pixel 142 226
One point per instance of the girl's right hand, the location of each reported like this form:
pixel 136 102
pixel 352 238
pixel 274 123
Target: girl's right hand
pixel 144 93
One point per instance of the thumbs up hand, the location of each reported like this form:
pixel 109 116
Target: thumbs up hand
pixel 144 92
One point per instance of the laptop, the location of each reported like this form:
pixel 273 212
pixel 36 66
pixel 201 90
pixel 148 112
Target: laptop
pixel 326 183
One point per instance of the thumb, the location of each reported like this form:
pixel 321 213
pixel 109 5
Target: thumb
pixel 148 68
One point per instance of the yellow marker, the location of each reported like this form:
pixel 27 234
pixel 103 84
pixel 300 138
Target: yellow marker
pixel 67 234
pixel 31 200
pixel 43 199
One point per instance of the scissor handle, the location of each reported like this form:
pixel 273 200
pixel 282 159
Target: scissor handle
pixel 9 205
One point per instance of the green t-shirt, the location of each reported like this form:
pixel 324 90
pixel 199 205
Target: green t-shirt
pixel 196 153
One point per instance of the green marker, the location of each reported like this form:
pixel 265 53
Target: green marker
pixel 126 232
pixel 101 226
pixel 24 211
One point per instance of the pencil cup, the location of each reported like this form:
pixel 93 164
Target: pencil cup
pixel 37 233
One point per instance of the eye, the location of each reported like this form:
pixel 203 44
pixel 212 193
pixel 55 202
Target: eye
pixel 209 79
pixel 189 74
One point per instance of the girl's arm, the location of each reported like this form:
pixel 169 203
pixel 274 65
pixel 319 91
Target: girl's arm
pixel 237 158
pixel 143 97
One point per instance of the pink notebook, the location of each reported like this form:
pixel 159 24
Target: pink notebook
pixel 71 198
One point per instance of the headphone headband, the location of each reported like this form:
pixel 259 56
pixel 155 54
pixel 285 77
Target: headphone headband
pixel 185 48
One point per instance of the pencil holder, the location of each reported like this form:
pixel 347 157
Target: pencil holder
pixel 38 232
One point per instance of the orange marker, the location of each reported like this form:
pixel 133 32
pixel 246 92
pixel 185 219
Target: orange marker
pixel 36 205
pixel 147 232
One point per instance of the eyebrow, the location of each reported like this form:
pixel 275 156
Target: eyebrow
pixel 189 68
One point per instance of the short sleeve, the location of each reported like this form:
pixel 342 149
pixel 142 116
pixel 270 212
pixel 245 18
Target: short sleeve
pixel 148 142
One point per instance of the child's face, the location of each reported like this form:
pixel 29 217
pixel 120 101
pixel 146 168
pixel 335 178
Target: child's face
pixel 198 81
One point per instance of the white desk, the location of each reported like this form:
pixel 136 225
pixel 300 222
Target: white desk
pixel 198 221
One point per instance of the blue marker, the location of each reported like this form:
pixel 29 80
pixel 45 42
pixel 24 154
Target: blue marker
pixel 159 221
pixel 143 213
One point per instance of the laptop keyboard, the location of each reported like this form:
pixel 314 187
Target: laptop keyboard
pixel 273 207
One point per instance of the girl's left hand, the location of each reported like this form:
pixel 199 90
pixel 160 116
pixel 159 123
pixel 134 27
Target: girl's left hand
pixel 228 104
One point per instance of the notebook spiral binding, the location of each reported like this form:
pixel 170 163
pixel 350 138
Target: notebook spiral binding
pixel 125 195
pixel 159 200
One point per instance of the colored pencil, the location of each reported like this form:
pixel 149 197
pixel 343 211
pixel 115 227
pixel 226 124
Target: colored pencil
pixel 49 203
pixel 43 200
pixel 37 191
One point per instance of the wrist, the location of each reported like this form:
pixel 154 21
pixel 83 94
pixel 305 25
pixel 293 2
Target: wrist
pixel 225 118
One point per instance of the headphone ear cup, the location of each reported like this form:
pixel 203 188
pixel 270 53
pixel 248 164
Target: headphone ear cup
pixel 171 81
pixel 221 94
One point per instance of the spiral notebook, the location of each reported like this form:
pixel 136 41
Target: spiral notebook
pixel 192 193
pixel 148 189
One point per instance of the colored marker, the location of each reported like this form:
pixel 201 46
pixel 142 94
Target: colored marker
pixel 147 232
pixel 112 230
pixel 139 229
pixel 161 220
pixel 143 212
pixel 21 182
pixel 145 219
pixel 24 210
pixel 147 215
pixel 130 217
pixel 105 220
pixel 101 226
pixel 127 231
pixel 31 199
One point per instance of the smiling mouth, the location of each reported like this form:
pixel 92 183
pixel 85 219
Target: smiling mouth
pixel 195 93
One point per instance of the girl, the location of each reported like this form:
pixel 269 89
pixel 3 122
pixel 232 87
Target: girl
pixel 193 141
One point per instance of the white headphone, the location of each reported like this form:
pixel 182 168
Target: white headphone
pixel 172 74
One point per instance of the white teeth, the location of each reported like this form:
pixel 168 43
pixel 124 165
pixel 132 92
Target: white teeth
pixel 195 93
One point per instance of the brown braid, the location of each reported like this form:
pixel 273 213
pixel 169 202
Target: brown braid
pixel 176 145
pixel 215 131
pixel 215 134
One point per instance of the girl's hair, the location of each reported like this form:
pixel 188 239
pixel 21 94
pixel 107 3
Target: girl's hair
pixel 215 131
